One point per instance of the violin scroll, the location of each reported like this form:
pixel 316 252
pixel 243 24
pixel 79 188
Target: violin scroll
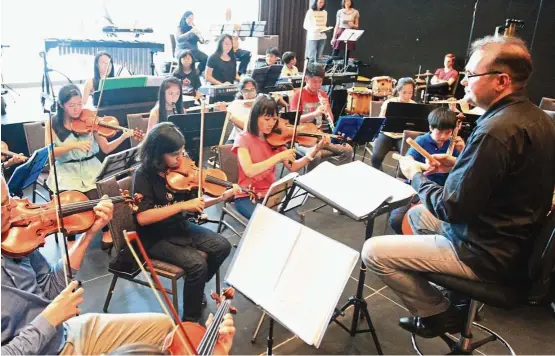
pixel 132 201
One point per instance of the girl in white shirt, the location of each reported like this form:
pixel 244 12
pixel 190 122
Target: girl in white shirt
pixel 315 22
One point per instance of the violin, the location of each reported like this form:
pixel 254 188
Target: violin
pixel 30 223
pixel 307 134
pixel 187 338
pixel 106 126
pixel 6 153
pixel 451 147
pixel 185 177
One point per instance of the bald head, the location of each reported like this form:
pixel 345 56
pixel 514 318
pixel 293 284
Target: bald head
pixel 508 55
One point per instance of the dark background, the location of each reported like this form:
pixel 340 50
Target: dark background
pixel 400 35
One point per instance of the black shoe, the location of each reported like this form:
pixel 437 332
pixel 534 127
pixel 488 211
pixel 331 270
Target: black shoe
pixel 204 300
pixel 450 321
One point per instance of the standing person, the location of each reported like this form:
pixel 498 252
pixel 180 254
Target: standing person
pixel 387 141
pixel 103 67
pixel 76 163
pixel 186 72
pixel 188 37
pixel 163 226
pixel 222 66
pixel 241 55
pixel 170 102
pixel 483 223
pixel 315 22
pixel 314 108
pixel 347 18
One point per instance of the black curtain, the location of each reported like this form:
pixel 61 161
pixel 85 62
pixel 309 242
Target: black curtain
pixel 285 18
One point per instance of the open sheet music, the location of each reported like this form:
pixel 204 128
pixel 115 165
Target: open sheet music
pixel 294 273
pixel 354 187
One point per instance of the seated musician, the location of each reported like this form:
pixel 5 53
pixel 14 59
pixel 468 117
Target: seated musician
pixel 77 165
pixel 188 37
pixel 481 225
pixel 387 141
pixel 39 310
pixel 445 76
pixel 239 110
pixel 186 72
pixel 272 56
pixel 442 122
pixel 314 108
pixel 289 60
pixel 222 66
pixel 12 161
pixel 103 67
pixel 170 102
pixel 258 160
pixel 163 226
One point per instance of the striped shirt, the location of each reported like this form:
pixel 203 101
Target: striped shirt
pixel 314 22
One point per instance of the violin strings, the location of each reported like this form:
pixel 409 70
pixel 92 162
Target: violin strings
pixel 215 334
pixel 208 342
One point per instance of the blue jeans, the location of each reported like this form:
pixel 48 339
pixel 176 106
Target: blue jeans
pixel 315 49
pixel 245 206
pixel 244 58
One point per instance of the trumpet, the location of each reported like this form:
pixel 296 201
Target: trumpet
pixel 197 32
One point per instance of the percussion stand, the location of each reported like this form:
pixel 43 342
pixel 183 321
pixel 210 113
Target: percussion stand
pixel 152 66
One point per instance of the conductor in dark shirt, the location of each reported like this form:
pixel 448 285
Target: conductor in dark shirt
pixel 482 224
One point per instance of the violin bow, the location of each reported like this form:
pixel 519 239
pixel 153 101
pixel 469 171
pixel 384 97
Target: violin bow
pixel 297 114
pixel 172 313
pixel 201 149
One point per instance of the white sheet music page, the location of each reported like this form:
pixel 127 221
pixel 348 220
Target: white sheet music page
pixel 263 251
pixel 311 284
pixel 356 186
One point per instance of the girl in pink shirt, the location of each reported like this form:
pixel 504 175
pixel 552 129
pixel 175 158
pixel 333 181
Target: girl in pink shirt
pixel 257 159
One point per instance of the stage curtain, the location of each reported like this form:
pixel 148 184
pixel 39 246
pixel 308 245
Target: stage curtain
pixel 285 18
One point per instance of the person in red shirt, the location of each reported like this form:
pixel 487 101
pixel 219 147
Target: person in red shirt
pixel 444 78
pixel 258 160
pixel 314 108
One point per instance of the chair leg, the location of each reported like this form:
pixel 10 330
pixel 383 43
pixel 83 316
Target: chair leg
pixel 220 223
pixel 255 335
pixel 110 293
pixel 218 282
pixel 34 197
pixel 175 294
pixel 466 336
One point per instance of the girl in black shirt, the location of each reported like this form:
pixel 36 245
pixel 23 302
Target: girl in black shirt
pixel 187 37
pixel 187 73
pixel 222 66
pixel 164 228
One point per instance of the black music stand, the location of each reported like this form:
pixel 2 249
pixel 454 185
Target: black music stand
pixel 267 77
pixel 117 163
pixel 407 116
pixel 189 125
pixel 123 96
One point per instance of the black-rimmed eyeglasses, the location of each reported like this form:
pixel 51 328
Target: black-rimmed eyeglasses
pixel 472 75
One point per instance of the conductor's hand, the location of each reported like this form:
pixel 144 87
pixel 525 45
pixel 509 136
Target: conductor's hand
pixel 193 205
pixel 444 164
pixel 65 305
pixel 287 155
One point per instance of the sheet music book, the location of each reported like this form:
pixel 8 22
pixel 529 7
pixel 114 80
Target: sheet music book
pixel 350 35
pixel 294 273
pixel 356 187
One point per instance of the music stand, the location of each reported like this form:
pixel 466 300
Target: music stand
pixel 346 36
pixel 267 77
pixel 407 116
pixel 27 173
pixel 189 125
pixel 219 29
pixel 252 29
pixel 117 163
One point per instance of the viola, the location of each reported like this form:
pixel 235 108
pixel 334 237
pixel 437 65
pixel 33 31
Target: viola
pixel 7 153
pixel 307 134
pixel 106 126
pixel 185 177
pixel 187 338
pixel 30 223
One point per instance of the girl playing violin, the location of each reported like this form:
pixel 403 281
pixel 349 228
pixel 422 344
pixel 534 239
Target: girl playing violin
pixel 257 159
pixel 187 73
pixel 76 163
pixel 170 102
pixel 165 230
pixel 103 67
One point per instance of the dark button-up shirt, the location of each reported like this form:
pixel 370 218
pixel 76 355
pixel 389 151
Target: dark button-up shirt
pixel 499 192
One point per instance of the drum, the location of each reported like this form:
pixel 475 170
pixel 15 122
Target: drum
pixel 358 101
pixel 382 86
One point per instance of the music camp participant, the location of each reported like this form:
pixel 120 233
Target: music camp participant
pixel 346 18
pixel 444 78
pixel 163 226
pixel 387 141
pixel 170 102
pixel 103 68
pixel 315 21
pixel 77 165
pixel 186 71
pixel 42 316
pixel 289 69
pixel 222 66
pixel 482 224
pixel 188 36
pixel 258 159
pixel 442 122
pixel 239 109
pixel 315 108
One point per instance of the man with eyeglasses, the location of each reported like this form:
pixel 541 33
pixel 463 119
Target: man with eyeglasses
pixel 482 223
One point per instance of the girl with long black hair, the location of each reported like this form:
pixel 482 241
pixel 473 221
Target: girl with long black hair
pixel 103 67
